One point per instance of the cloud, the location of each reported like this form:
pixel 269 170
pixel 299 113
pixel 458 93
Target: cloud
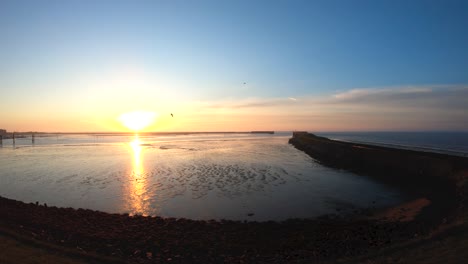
pixel 413 97
pixel 252 103
pixel 386 93
pixel 441 107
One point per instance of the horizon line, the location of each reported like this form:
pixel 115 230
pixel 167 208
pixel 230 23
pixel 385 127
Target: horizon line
pixel 230 132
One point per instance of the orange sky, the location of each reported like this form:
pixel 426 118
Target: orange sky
pixel 384 109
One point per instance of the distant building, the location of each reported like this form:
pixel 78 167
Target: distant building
pixel 2 132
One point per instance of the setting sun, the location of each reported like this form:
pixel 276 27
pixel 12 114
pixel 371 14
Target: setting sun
pixel 137 120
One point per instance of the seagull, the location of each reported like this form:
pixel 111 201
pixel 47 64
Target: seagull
pixel 172 115
pixel 245 83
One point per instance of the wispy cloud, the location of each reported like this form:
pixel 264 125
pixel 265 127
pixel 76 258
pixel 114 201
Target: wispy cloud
pixel 413 97
pixel 359 94
pixel 389 108
pixel 252 103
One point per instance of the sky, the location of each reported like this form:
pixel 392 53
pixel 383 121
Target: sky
pixel 78 66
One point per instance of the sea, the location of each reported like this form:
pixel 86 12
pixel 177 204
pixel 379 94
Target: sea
pixel 234 176
pixel 452 143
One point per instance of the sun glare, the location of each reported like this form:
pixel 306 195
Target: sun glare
pixel 137 120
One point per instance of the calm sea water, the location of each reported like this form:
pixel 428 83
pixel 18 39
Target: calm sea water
pixel 454 143
pixel 232 176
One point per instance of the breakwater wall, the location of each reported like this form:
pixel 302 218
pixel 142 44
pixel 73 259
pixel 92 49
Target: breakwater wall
pixel 436 176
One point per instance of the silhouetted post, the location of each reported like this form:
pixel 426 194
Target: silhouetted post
pixel 1 140
pixel 32 138
pixel 14 139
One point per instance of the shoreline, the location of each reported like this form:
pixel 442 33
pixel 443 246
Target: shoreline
pixel 133 238
pixel 140 239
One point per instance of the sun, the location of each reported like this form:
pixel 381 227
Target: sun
pixel 137 120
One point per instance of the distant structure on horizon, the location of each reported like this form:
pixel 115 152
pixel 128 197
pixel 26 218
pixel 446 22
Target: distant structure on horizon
pixel 3 131
pixel 262 132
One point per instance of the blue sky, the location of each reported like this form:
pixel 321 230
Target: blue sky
pixel 195 54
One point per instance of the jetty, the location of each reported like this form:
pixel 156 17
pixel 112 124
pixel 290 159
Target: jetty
pixel 441 178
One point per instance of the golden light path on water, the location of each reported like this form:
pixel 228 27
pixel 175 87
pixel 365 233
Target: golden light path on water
pixel 137 182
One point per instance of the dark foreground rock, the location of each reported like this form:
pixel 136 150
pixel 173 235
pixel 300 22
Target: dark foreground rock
pixel 153 239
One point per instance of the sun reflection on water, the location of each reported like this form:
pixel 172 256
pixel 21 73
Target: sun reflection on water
pixel 138 180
